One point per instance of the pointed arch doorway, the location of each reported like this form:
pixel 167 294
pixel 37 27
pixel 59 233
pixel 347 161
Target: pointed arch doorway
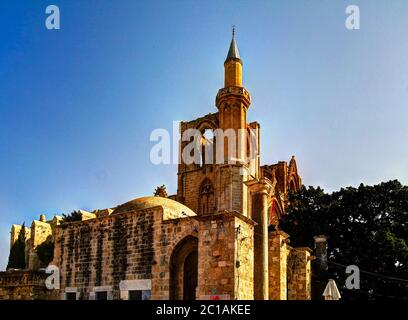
pixel 184 270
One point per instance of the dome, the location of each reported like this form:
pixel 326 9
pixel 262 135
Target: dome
pixel 171 209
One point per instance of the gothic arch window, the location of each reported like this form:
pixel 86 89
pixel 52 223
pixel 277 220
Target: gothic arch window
pixel 207 147
pixel 251 144
pixel 275 213
pixel 292 185
pixel 206 203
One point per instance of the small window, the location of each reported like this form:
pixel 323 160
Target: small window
pixel 139 294
pixel 70 296
pixel 101 295
pixel 135 295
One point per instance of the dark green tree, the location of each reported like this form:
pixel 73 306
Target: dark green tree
pixel 366 226
pixel 73 216
pixel 17 251
pixel 45 251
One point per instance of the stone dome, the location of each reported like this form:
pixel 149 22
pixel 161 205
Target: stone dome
pixel 172 209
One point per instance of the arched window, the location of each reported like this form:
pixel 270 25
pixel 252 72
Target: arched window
pixel 207 147
pixel 292 185
pixel 206 203
pixel 274 213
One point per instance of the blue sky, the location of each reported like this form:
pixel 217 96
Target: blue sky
pixel 77 105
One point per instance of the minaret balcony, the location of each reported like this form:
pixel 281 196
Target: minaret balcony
pixel 239 92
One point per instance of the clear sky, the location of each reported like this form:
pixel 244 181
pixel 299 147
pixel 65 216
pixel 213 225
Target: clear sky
pixel 77 105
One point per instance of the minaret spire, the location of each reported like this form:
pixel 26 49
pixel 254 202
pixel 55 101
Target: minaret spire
pixel 233 52
pixel 233 65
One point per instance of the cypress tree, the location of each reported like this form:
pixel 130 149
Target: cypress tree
pixel 17 252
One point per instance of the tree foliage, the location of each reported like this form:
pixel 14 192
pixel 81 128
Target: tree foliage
pixel 366 226
pixel 45 251
pixel 17 252
pixel 73 216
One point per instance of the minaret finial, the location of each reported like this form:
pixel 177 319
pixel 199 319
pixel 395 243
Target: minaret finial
pixel 233 30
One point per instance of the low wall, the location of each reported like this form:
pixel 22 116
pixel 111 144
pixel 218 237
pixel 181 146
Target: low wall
pixel 24 285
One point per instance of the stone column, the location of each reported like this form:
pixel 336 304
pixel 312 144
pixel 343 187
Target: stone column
pixel 278 252
pixel 321 253
pixel 319 267
pixel 299 274
pixel 260 190
pixel 264 254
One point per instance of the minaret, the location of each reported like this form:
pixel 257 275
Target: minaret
pixel 233 100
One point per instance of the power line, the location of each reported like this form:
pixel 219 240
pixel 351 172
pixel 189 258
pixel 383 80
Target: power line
pixel 372 273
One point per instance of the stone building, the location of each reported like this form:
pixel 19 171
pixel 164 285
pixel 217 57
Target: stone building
pixel 211 240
